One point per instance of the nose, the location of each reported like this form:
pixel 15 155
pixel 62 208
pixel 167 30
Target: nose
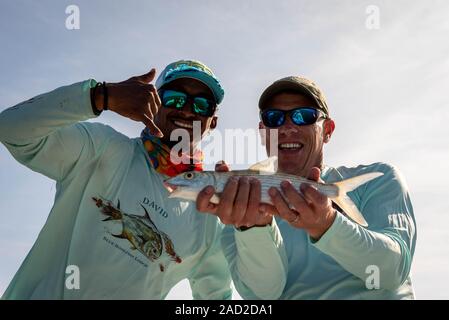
pixel 187 111
pixel 288 128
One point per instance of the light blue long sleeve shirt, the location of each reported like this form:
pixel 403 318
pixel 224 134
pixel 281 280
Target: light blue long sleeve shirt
pixel 348 262
pixel 149 254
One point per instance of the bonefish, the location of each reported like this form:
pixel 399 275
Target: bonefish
pixel 187 185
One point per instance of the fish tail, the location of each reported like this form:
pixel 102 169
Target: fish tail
pixel 345 203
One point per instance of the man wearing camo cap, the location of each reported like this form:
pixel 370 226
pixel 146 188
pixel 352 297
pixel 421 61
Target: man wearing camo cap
pixel 312 249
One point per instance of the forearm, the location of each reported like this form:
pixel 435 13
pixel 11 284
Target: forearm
pixel 43 114
pixel 356 249
pixel 258 261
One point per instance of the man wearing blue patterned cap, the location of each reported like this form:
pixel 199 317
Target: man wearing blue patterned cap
pixel 113 233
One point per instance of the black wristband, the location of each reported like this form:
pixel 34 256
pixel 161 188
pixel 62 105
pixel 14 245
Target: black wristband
pixel 105 96
pixel 92 100
pixel 243 228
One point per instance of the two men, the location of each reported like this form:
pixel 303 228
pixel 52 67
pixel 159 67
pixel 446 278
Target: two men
pixel 112 221
pixel 311 250
pixel 147 242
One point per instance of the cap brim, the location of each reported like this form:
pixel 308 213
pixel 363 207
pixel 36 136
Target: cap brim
pixel 209 81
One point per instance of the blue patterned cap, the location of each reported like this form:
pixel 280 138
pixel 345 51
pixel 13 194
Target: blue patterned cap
pixel 191 69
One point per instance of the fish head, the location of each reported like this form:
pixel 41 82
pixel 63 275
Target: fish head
pixel 153 249
pixel 190 179
pixel 187 185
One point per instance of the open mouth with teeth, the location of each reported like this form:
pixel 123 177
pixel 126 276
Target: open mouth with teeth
pixel 290 146
pixel 185 124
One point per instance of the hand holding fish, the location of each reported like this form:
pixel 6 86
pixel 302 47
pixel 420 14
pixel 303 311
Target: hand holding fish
pixel 243 197
pixel 240 204
pixel 307 209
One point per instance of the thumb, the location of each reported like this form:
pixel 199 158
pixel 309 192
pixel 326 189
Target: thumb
pixel 147 77
pixel 221 166
pixel 314 174
pixel 268 209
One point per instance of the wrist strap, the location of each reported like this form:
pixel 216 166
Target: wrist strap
pixel 105 96
pixel 92 100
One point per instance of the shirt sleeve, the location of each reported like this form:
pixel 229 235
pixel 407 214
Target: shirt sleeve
pixel 257 259
pixel 44 133
pixel 211 279
pixel 389 241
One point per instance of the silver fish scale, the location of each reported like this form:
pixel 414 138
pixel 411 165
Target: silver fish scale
pixel 272 180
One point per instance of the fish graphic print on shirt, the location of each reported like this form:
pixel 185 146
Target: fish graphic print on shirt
pixel 140 231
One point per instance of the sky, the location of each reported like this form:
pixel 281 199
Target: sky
pixel 387 89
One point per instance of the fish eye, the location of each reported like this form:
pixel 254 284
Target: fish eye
pixel 189 175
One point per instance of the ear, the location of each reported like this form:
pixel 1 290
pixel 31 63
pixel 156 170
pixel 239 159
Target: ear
pixel 213 122
pixel 328 129
pixel 262 133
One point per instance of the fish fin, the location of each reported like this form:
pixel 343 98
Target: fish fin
pixel 142 238
pixel 120 236
pixel 147 215
pixel 345 203
pixel 98 202
pixel 267 166
pixel 107 219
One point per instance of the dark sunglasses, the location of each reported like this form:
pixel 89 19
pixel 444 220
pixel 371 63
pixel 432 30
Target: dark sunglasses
pixel 177 99
pixel 302 116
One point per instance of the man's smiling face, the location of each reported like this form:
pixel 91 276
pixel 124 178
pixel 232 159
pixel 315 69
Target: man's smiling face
pixel 169 119
pixel 299 147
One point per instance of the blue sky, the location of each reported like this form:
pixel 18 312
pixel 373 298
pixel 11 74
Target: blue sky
pixel 386 88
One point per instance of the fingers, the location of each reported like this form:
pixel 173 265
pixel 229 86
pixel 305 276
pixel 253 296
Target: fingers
pixel 156 97
pixel 152 104
pixel 154 130
pixel 241 201
pixel 226 204
pixel 203 203
pixel 253 209
pixel 222 166
pixel 150 111
pixel 152 108
pixel 281 205
pixel 239 204
pixel 313 196
pixel 310 193
pixel 293 196
pixel 314 174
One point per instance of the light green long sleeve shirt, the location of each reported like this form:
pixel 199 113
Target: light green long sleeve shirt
pixel 149 254
pixel 348 261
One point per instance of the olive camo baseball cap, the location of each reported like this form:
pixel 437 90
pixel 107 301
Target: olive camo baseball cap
pixel 301 85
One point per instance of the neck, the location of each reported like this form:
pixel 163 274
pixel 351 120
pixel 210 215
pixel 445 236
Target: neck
pixel 186 148
pixel 171 159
